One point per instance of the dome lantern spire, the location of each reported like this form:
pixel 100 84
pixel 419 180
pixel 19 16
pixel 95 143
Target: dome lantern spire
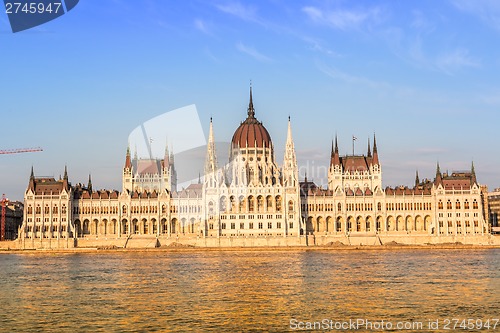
pixel 251 110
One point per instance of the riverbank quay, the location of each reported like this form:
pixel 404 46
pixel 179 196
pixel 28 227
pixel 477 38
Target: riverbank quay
pixel 305 243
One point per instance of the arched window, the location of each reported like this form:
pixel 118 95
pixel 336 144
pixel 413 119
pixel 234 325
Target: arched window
pixel 250 204
pixel 269 201
pixel 339 206
pixel 260 203
pixel 448 204
pixel 457 205
pixel 466 204
pixel 440 204
pixel 278 203
pixel 290 206
pixel 379 206
pixel 124 209
pixel 474 204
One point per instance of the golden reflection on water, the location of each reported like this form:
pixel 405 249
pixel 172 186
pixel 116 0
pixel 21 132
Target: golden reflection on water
pixel 231 291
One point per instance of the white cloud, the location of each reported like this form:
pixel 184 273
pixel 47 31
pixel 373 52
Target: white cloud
pixel 202 26
pixel 455 60
pixel 316 45
pixel 349 78
pixel 343 19
pixel 243 12
pixel 420 22
pixel 488 11
pixel 252 52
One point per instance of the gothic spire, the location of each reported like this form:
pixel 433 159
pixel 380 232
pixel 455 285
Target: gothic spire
pixel 417 179
pixel 335 159
pixel 369 154
pixel 211 161
pixel 65 172
pixel 89 186
pixel 473 173
pixel 128 163
pixel 251 110
pixel 31 185
pixel 166 161
pixel 375 151
pixel 439 177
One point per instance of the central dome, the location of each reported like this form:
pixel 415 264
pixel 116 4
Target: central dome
pixel 251 133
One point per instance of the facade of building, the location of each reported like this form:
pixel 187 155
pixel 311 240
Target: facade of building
pixel 13 219
pixel 252 196
pixel 494 209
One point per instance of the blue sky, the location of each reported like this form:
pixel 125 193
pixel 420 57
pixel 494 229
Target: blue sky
pixel 422 75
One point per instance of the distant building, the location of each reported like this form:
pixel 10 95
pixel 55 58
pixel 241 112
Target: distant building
pixel 494 209
pixel 251 196
pixel 13 219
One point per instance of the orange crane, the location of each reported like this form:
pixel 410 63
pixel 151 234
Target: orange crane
pixel 20 150
pixel 5 201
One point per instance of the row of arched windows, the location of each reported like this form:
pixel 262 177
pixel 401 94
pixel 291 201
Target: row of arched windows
pixel 458 204
pixel 47 210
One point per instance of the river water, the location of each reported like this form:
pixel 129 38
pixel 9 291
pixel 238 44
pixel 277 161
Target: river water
pixel 250 291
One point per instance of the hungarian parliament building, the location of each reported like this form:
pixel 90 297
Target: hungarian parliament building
pixel 252 196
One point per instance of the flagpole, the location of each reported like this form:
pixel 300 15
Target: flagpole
pixel 353 139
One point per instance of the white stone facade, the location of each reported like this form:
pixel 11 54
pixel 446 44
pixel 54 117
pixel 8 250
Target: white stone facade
pixel 251 196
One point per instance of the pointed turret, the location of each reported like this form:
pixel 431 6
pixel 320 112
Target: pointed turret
pixel 417 179
pixel 31 185
pixel 65 178
pixel 166 159
pixel 128 162
pixel 335 159
pixel 290 169
pixel 473 174
pixel 369 153
pixel 251 110
pixel 89 186
pixel 439 177
pixel 375 151
pixel 211 160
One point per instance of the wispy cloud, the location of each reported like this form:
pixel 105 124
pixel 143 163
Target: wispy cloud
pixel 344 19
pixel 455 60
pixel 488 11
pixel 421 23
pixel 202 26
pixel 252 52
pixel 210 55
pixel 412 48
pixel 316 45
pixel 244 12
pixel 349 78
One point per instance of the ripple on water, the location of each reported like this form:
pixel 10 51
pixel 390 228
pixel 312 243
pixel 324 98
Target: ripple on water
pixel 230 291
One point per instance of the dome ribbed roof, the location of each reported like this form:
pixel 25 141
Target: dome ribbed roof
pixel 251 133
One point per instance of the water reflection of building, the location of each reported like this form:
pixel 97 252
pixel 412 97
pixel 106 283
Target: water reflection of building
pixel 252 196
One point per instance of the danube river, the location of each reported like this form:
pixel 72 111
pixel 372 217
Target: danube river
pixel 241 291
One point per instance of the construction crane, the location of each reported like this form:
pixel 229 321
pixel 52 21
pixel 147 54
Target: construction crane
pixel 20 150
pixel 5 202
